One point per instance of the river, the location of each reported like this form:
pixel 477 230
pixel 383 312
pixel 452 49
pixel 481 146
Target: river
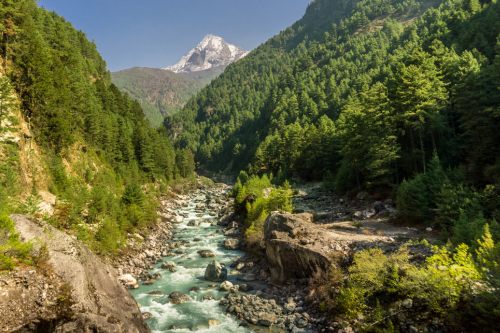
pixel 196 231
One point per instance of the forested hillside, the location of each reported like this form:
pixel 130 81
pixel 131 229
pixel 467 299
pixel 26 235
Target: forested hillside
pixel 161 92
pixel 397 98
pixel 77 136
pixel 364 91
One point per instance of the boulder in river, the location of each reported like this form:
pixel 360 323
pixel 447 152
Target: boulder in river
pixel 178 297
pixel 231 243
pixel 215 272
pixel 128 281
pixel 213 322
pixel 206 253
pixel 193 223
pixel 169 265
pixel 226 286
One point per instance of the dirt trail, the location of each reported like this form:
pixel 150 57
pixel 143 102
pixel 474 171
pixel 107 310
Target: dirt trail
pixel 358 220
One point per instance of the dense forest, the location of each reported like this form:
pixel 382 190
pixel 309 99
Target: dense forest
pixel 104 162
pixel 367 95
pixel 161 92
pixel 366 91
pixel 397 98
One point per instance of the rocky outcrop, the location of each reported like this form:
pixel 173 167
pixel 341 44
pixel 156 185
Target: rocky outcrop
pixel 97 302
pixel 290 248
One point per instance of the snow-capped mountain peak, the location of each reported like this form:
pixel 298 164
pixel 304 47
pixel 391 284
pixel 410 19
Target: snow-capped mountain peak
pixel 212 51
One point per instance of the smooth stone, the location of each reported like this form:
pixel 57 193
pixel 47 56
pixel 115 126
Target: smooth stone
pixel 206 253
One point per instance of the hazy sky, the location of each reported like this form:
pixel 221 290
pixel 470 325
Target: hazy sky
pixel 156 33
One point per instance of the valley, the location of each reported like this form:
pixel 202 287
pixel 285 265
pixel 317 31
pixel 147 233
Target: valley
pixel 358 148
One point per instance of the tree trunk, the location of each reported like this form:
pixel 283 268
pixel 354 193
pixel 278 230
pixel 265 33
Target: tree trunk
pixel 412 142
pixel 422 148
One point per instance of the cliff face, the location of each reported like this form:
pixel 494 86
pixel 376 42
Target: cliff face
pixel 94 300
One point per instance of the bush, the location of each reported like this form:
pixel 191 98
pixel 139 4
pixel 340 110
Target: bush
pixel 416 198
pixel 455 202
pixel 109 237
pixel 377 282
pixel 255 197
pixel 133 194
pixel 467 230
pixel 12 250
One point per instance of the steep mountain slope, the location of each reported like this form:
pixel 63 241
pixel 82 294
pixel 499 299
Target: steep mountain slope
pixel 72 146
pixel 162 92
pixel 281 107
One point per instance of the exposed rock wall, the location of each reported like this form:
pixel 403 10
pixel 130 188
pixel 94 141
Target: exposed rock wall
pixel 100 302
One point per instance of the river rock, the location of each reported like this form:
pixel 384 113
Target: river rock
pixel 287 256
pixel 226 286
pixel 169 265
pixel 231 243
pixel 215 272
pixel 147 315
pixel 193 223
pixel 266 319
pixel 213 322
pixel 128 281
pixel 178 297
pixel 206 253
pixel 231 232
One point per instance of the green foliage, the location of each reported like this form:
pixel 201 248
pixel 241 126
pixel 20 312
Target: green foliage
pixel 7 100
pixel 133 194
pixel 101 152
pixel 12 250
pixel 109 237
pixel 161 92
pixel 255 197
pixel 365 92
pixel 438 287
pixel 185 163
pixel 416 198
pixel 456 202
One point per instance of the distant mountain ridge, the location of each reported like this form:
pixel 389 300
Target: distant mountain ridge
pixel 163 91
pixel 213 51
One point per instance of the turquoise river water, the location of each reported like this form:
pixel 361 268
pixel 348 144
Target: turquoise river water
pixel 194 315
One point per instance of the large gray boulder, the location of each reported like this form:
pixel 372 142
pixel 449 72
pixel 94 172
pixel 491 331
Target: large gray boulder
pixel 290 252
pixel 215 272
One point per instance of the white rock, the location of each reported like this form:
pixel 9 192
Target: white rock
pixel 129 281
pixel 226 286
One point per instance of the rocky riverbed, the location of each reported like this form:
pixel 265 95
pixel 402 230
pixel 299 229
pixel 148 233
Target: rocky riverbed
pixel 189 275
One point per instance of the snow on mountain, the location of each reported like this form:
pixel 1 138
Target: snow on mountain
pixel 212 51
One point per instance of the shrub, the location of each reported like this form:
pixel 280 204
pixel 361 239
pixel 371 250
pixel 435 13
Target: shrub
pixel 467 230
pixel 255 197
pixel 12 249
pixel 109 237
pixel 416 198
pixel 455 202
pixel 413 201
pixel 133 194
pixel 377 282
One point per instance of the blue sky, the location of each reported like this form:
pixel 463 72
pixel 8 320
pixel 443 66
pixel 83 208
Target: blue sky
pixel 156 33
